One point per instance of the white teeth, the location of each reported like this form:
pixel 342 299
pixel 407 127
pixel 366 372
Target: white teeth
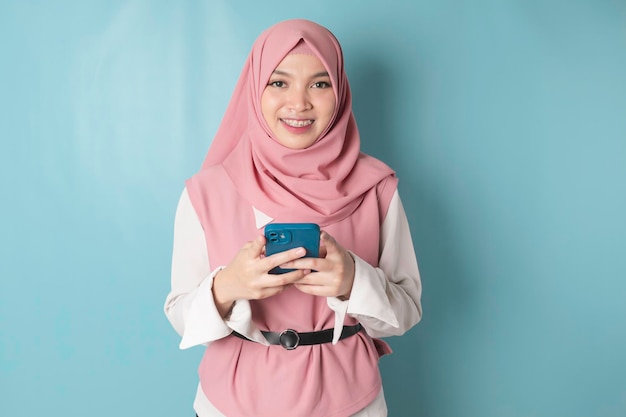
pixel 297 123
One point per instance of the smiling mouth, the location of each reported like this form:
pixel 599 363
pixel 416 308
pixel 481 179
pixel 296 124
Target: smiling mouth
pixel 297 123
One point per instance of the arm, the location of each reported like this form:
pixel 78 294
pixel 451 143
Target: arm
pixel 190 306
pixel 386 299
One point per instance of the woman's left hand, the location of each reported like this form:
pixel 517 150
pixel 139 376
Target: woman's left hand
pixel 332 273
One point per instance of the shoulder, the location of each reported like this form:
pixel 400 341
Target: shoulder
pixel 207 174
pixel 386 181
pixel 373 162
pixel 207 179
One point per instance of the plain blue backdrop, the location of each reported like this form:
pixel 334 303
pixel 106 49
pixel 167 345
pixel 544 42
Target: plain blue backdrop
pixel 506 123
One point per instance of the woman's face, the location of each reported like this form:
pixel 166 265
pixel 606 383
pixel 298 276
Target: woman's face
pixel 298 101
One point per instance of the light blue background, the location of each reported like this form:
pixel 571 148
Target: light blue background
pixel 505 120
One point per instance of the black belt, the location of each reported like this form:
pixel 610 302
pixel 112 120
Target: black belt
pixel 290 339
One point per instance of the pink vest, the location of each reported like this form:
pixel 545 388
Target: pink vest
pixel 246 379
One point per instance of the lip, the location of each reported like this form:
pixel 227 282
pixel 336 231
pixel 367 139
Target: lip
pixel 297 130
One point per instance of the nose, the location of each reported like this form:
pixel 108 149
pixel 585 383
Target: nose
pixel 298 100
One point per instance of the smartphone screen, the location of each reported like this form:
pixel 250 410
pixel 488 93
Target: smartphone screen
pixel 284 236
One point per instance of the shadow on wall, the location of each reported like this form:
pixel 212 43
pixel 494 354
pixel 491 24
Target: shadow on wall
pixel 418 372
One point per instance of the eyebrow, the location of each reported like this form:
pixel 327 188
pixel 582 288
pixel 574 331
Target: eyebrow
pixel 316 75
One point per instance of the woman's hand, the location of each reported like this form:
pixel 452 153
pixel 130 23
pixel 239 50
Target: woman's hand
pixel 247 276
pixel 333 274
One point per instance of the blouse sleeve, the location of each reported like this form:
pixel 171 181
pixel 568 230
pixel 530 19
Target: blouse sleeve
pixel 386 299
pixel 190 306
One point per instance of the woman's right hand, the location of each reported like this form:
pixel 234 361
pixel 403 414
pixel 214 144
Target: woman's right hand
pixel 247 276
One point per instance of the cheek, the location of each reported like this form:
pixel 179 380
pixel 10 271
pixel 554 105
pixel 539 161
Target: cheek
pixel 328 104
pixel 267 107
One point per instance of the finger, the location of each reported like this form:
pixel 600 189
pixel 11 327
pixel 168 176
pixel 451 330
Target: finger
pixel 285 279
pixel 322 250
pixel 318 290
pixel 314 264
pixel 329 243
pixel 311 278
pixel 281 258
pixel 257 245
pixel 335 252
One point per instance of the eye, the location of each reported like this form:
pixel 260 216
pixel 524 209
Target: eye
pixel 277 84
pixel 321 84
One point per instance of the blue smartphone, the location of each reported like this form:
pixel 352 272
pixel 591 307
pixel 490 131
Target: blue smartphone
pixel 284 236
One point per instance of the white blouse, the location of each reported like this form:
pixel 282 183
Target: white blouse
pixel 385 299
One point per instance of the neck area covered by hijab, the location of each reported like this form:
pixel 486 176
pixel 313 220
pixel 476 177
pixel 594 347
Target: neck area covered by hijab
pixel 323 183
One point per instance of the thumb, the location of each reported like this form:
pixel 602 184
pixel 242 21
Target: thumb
pixel 330 244
pixel 257 245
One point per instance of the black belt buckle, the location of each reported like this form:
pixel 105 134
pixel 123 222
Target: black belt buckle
pixel 289 339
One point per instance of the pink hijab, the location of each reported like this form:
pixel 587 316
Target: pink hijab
pixel 324 183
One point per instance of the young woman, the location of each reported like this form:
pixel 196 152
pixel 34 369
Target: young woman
pixel 306 342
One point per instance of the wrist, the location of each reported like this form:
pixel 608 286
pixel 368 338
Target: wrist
pixel 346 295
pixel 223 302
